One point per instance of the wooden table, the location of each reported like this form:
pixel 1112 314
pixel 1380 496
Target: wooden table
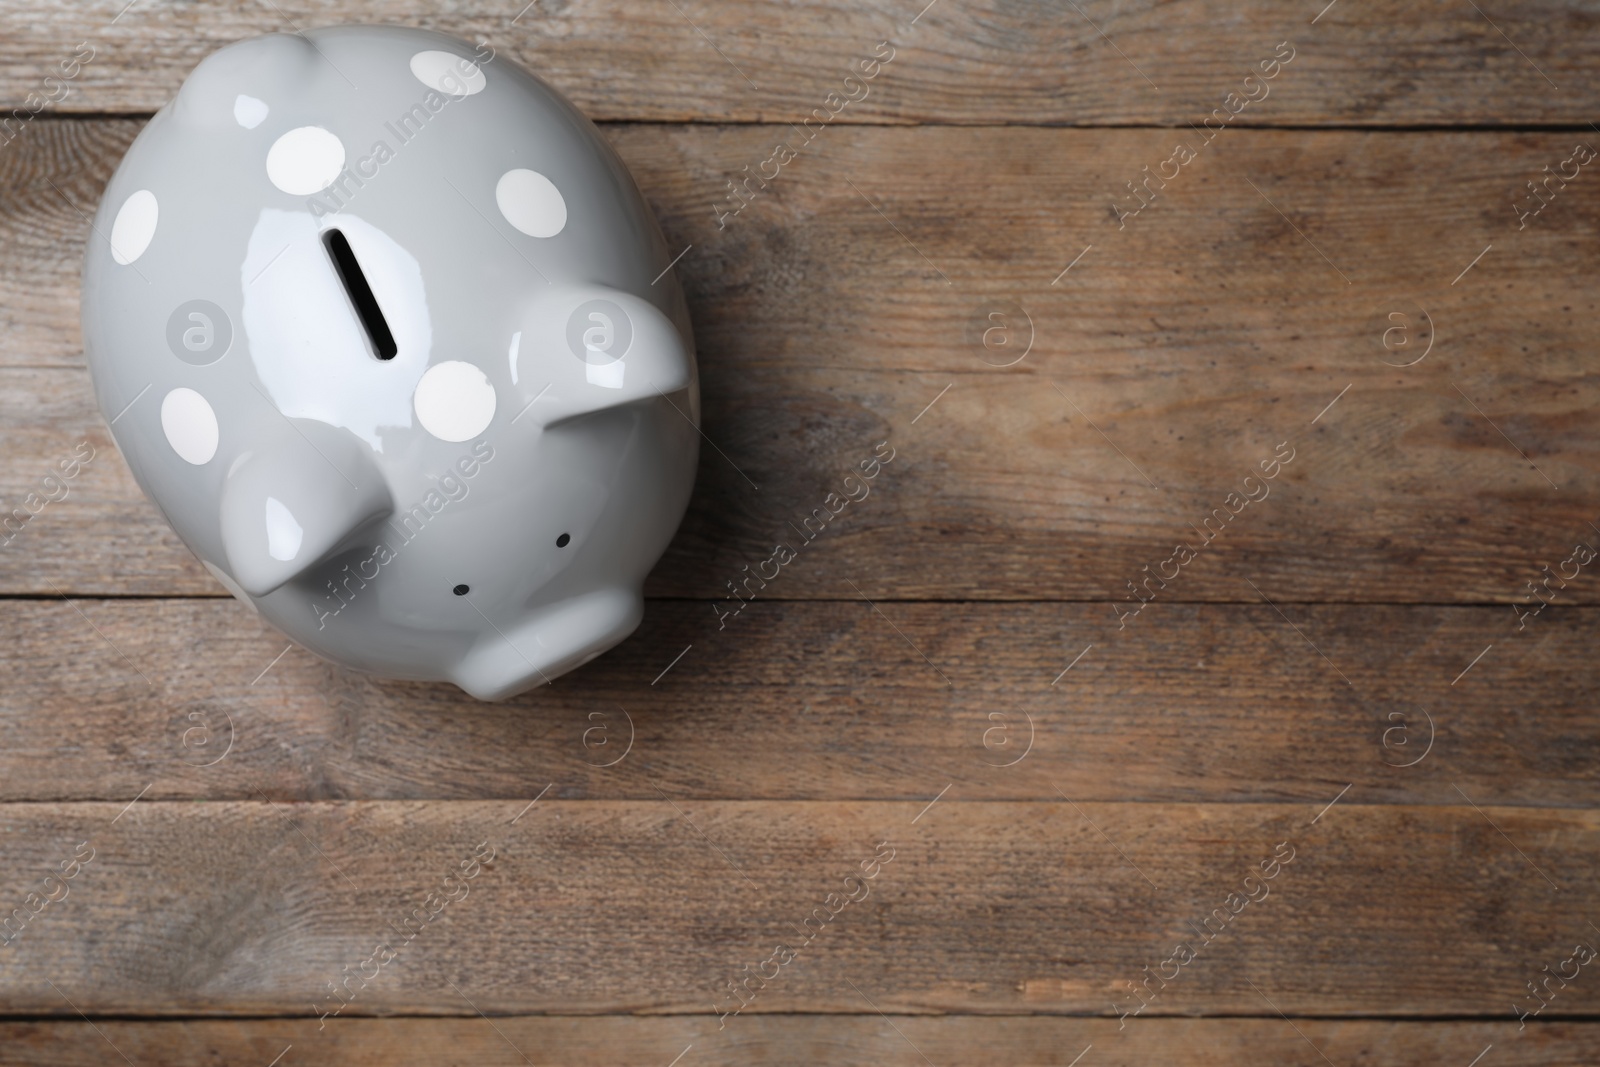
pixel 1339 281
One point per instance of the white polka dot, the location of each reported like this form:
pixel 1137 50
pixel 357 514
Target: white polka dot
pixel 249 112
pixel 447 73
pixel 454 401
pixel 134 227
pixel 283 533
pixel 305 160
pixel 531 202
pixel 190 425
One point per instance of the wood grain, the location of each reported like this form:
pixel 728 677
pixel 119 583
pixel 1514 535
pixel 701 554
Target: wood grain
pixel 201 700
pixel 1164 368
pixel 261 820
pixel 1047 62
pixel 868 1041
pixel 599 906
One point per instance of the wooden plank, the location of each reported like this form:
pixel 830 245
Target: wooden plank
pixel 722 60
pixel 869 1041
pixel 1165 367
pixel 201 700
pixel 596 906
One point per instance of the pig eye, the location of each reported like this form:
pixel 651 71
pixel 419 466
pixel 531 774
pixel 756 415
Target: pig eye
pixel 461 590
pixel 563 541
pixel 360 293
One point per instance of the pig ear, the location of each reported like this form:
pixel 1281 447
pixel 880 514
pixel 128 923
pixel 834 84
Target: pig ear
pixel 591 347
pixel 287 507
pixel 262 70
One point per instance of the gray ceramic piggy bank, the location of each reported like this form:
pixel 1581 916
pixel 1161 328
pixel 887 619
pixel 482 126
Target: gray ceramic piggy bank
pixel 387 332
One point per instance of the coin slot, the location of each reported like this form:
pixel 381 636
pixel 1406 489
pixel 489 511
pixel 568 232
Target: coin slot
pixel 360 293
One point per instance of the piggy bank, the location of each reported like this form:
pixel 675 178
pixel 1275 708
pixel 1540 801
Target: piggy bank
pixel 386 331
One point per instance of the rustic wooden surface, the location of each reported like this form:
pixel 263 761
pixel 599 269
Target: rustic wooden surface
pixel 864 1040
pixel 652 906
pixel 951 667
pixel 1197 339
pixel 820 700
pixel 1044 62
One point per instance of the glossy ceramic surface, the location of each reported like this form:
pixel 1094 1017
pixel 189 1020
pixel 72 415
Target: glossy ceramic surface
pixel 385 329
